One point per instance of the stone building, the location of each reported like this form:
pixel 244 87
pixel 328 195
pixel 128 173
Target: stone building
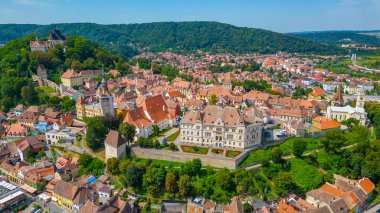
pixel 222 127
pixel 55 38
pixel 115 145
pixel 101 105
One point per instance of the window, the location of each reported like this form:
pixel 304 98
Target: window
pixel 207 134
pixel 229 136
pixel 219 129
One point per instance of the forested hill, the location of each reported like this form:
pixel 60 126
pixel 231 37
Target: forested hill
pixel 177 36
pixel 370 38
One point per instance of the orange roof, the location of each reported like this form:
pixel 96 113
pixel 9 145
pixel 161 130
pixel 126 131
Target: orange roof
pixel 285 208
pixel 317 91
pixel 366 184
pixel 332 190
pixel 69 74
pixel 324 123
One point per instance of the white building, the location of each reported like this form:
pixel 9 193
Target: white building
pixel 342 113
pixel 222 127
pixel 64 135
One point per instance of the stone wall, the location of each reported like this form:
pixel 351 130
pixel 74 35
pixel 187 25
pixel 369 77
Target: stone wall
pixel 214 161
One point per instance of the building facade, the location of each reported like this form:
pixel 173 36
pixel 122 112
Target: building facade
pixel 222 127
pixel 340 113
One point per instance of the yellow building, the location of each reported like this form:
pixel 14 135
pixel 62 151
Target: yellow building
pixel 70 78
pixel 102 105
pixel 64 194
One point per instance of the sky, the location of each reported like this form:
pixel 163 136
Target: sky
pixel 275 15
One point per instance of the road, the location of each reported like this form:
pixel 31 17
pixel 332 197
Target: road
pixel 373 209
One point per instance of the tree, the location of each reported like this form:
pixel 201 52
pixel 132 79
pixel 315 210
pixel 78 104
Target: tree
pixel 134 176
pixel 276 155
pixel 113 165
pixel 96 132
pixel 84 159
pixel 284 182
pixel 213 99
pixel 27 94
pixel 184 186
pixel 224 180
pixel 299 147
pixel 127 131
pixel 156 130
pixel 153 180
pixel 171 184
pixel 197 166
pixel 41 154
pixel 123 166
pixel 247 208
pixel 351 122
pixel 360 135
pixel 333 141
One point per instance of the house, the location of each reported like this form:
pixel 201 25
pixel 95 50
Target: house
pixel 17 131
pixel 32 143
pixel 344 195
pixel 64 193
pixel 66 135
pixel 151 111
pixel 19 109
pixel 294 127
pixel 317 94
pixel 320 125
pixel 115 145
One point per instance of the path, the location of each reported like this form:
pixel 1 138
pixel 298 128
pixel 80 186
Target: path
pixel 373 209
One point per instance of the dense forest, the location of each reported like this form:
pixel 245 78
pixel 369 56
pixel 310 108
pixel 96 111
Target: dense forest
pixel 18 63
pixel 176 36
pixel 341 37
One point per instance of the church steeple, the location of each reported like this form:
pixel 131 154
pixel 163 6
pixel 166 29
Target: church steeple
pixel 360 99
pixel 337 99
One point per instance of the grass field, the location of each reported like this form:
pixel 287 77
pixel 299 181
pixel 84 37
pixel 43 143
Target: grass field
pixel 157 162
pixel 173 136
pixel 101 153
pixel 286 147
pixel 195 149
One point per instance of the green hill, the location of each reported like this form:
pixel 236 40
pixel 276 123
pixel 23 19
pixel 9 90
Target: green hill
pixel 177 36
pixel 342 37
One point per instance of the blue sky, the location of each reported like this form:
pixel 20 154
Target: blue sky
pixel 276 15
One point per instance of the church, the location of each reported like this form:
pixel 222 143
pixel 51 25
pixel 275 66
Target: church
pixel 341 113
pixel 100 105
pixel 55 38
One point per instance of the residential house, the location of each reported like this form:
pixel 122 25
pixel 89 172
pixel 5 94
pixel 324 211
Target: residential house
pixel 320 125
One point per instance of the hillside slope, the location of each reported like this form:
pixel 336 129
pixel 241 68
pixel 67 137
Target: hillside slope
pixel 178 36
pixel 342 37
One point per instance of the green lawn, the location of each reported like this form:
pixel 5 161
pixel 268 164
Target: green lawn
pixel 157 162
pixel 286 147
pixel 194 149
pixel 231 153
pixel 173 136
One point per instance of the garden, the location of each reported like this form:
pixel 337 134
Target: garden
pixel 217 151
pixel 232 153
pixel 194 149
